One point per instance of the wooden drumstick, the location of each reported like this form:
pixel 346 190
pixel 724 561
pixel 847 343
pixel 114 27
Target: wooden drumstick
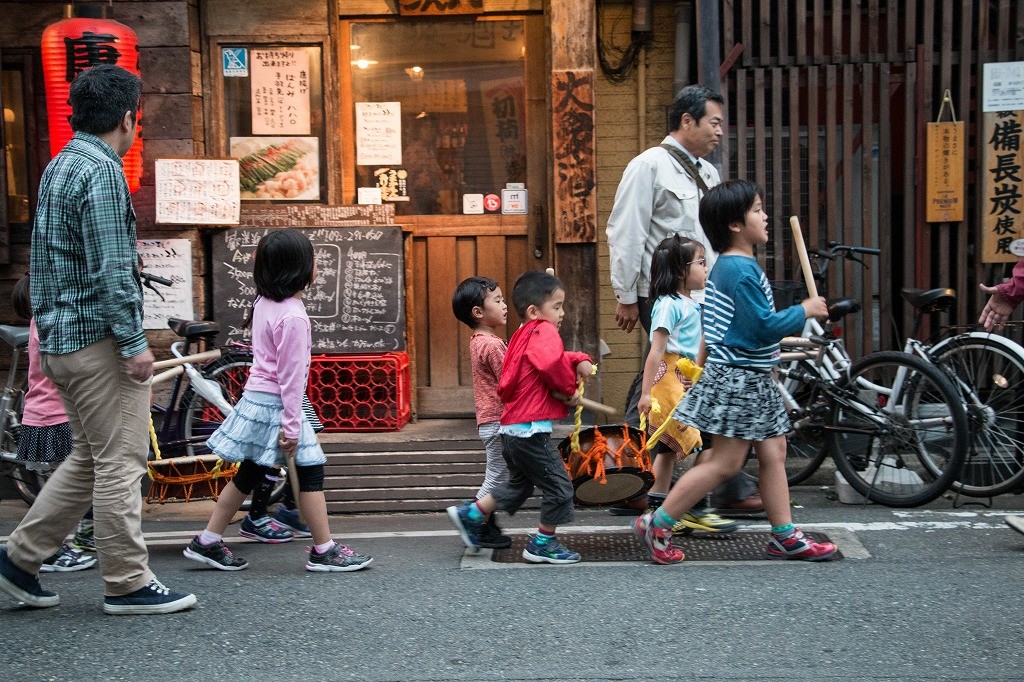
pixel 588 403
pixel 598 407
pixel 805 262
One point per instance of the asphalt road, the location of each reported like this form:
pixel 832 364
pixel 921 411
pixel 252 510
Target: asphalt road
pixel 937 594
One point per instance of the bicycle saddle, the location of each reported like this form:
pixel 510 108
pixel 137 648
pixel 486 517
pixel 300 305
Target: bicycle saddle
pixel 14 336
pixel 842 308
pixel 930 300
pixel 190 329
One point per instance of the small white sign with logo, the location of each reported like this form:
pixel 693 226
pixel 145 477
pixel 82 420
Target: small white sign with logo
pixel 513 202
pixel 369 195
pixel 473 204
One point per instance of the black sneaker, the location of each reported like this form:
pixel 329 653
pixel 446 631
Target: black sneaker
pixel 67 560
pixel 216 555
pixel 491 536
pixel 337 558
pixel 152 599
pixel 24 586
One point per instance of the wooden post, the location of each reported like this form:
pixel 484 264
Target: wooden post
pixel 574 198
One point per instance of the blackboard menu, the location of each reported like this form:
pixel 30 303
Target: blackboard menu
pixel 356 304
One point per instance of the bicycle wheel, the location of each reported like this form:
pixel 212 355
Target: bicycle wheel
pixel 806 446
pixel 199 418
pixel 990 378
pixel 897 429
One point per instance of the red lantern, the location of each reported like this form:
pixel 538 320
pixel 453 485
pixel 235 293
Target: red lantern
pixel 71 46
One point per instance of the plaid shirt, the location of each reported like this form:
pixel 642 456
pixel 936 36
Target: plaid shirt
pixel 85 283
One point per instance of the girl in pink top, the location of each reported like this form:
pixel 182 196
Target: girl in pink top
pixel 46 439
pixel 268 423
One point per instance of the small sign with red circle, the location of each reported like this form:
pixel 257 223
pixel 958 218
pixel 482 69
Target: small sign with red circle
pixel 492 203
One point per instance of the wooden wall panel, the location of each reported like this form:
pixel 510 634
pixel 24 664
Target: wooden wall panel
pixel 441 281
pixel 265 17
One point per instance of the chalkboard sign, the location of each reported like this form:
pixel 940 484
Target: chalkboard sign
pixel 356 304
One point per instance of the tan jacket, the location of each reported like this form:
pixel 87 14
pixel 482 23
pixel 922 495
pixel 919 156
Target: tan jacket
pixel 656 198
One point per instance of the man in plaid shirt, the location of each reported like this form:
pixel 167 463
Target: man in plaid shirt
pixel 87 304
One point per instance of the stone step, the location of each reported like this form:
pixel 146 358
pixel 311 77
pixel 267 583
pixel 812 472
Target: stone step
pixel 406 482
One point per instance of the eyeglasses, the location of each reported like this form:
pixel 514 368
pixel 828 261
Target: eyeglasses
pixel 699 261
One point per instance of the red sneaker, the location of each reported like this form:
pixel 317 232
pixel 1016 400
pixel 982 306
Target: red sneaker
pixel 799 546
pixel 658 541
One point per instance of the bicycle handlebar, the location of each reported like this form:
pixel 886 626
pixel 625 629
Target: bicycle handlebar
pixel 146 277
pixel 836 249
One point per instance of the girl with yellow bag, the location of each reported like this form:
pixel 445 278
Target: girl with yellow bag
pixel 678 267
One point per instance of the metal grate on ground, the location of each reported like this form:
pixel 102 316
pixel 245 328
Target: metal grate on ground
pixel 595 547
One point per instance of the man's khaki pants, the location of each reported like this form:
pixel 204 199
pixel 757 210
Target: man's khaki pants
pixel 109 415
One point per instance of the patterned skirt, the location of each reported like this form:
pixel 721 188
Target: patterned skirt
pixel 42 446
pixel 251 432
pixel 736 403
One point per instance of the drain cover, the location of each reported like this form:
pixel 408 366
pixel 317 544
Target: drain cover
pixel 627 547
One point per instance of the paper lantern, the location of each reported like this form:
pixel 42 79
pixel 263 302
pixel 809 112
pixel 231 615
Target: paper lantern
pixel 71 46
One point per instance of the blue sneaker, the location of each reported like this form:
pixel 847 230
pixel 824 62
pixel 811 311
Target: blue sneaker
pixel 289 519
pixel 263 529
pixel 554 552
pixel 468 529
pixel 152 599
pixel 24 586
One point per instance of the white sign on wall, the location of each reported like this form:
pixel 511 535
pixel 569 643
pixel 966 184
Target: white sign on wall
pixel 280 91
pixel 170 259
pixel 1003 87
pixel 197 191
pixel 378 133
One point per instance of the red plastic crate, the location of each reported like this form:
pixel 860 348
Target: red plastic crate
pixel 361 392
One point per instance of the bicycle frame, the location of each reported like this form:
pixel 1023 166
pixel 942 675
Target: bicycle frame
pixel 168 435
pixel 8 419
pixel 831 364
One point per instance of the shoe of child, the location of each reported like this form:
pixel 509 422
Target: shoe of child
pixel 658 541
pixel 491 536
pixel 66 560
pixel 706 521
pixel 337 558
pixel 24 586
pixel 84 539
pixel 152 599
pixel 289 519
pixel 552 552
pixel 799 546
pixel 1015 522
pixel 216 555
pixel 469 530
pixel 263 529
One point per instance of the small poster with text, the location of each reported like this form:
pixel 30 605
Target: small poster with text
pixel 197 191
pixel 280 91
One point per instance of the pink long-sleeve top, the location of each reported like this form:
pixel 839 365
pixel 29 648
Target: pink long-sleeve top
pixel 43 405
pixel 280 345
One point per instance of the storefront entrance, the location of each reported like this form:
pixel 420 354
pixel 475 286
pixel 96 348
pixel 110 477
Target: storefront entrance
pixel 469 98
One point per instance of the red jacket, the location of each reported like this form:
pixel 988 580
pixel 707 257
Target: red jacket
pixel 536 363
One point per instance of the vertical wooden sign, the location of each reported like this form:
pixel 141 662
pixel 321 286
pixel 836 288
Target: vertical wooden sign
pixel 944 180
pixel 1002 228
pixel 572 124
pixel 439 7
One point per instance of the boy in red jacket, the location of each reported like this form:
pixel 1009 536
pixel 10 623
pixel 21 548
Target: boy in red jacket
pixel 536 367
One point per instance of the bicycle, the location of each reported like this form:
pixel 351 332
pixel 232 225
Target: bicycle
pixel 988 371
pixel 893 423
pixel 27 482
